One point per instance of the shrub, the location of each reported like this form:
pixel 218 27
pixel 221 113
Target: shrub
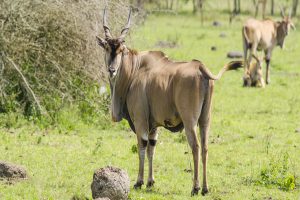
pixel 49 58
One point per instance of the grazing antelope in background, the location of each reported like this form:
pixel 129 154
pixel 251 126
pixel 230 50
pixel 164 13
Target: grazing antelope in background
pixel 256 74
pixel 150 91
pixel 264 35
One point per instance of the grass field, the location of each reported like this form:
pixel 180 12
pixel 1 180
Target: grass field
pixel 253 134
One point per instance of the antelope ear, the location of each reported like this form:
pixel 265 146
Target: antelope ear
pixel 293 26
pixel 101 42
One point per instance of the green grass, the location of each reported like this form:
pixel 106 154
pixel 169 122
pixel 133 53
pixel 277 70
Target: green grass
pixel 251 130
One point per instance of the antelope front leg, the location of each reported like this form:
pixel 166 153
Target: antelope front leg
pixel 142 144
pixel 246 49
pixel 268 81
pixel 246 77
pixel 150 153
pixel 262 82
pixel 268 59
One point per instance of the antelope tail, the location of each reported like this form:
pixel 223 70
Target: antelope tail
pixel 245 35
pixel 233 65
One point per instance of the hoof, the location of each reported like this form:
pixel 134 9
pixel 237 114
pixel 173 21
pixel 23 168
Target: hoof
pixel 204 191
pixel 195 191
pixel 268 82
pixel 150 184
pixel 138 185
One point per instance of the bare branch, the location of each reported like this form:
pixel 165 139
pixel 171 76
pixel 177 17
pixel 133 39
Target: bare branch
pixel 26 84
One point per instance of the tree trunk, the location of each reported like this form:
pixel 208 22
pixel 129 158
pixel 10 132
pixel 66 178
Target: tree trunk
pixel 171 4
pixel 176 4
pixel 295 5
pixel 201 10
pixel 263 7
pixel 264 4
pixel 272 7
pixel 236 7
pixel 256 7
pixel 194 6
pixel 198 4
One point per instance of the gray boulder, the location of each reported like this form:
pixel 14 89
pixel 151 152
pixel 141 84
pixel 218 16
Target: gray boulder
pixel 110 182
pixel 216 23
pixel 9 171
pixel 234 54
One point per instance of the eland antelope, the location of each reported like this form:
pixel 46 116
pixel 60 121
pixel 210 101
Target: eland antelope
pixel 150 91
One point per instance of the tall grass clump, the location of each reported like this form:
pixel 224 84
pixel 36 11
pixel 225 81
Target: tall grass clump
pixel 278 173
pixel 49 58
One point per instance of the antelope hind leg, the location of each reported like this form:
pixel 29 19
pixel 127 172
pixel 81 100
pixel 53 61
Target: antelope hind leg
pixel 152 138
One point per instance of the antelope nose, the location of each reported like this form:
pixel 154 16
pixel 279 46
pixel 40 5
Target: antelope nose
pixel 111 70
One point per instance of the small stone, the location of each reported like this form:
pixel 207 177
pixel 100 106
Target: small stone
pixel 234 54
pixel 222 35
pixel 216 23
pixel 213 48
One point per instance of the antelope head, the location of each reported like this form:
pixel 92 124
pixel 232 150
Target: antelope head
pixel 284 26
pixel 114 47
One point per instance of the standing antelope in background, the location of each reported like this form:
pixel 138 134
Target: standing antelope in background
pixel 264 35
pixel 149 91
